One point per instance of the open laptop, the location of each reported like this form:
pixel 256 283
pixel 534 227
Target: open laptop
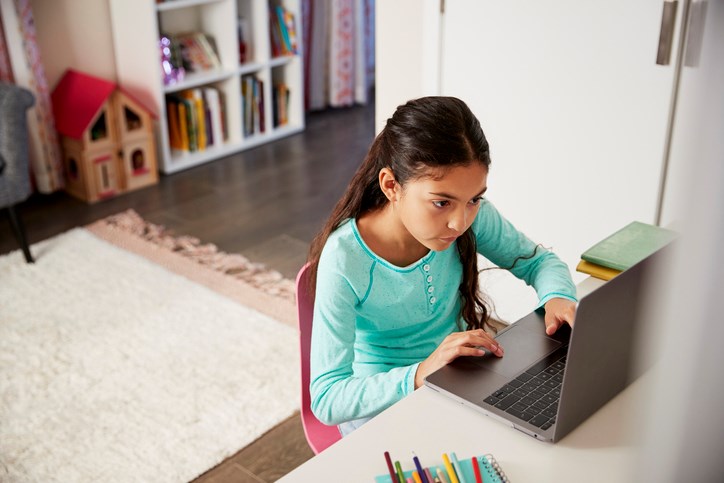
pixel 545 386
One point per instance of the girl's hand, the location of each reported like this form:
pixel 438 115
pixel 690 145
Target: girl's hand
pixel 558 312
pixel 455 345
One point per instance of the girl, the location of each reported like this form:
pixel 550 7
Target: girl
pixel 395 265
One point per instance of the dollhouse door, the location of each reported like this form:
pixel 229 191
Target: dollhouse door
pixel 138 166
pixel 105 176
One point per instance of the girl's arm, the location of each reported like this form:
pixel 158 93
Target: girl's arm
pixel 337 395
pixel 501 243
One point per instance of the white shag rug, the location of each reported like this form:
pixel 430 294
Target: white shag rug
pixel 114 369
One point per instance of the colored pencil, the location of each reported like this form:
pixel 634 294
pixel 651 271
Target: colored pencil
pixel 476 470
pixel 400 473
pixel 458 469
pixel 450 470
pixel 388 460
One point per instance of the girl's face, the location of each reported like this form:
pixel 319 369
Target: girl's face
pixel 438 208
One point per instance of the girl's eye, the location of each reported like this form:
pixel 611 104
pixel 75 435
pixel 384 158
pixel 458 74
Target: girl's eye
pixel 476 201
pixel 441 204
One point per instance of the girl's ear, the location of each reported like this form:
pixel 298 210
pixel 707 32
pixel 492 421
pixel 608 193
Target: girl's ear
pixel 388 184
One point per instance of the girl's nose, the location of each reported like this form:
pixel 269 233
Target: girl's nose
pixel 457 221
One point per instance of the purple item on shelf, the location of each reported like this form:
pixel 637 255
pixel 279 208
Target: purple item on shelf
pixel 171 73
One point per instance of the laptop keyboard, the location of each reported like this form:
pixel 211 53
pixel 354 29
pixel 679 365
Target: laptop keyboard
pixel 533 396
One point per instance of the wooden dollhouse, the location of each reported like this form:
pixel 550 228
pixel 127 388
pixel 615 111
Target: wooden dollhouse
pixel 106 136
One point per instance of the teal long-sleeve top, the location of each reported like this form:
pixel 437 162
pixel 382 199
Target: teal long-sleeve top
pixel 374 322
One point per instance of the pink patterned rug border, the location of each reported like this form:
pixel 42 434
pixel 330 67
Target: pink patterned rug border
pixel 232 275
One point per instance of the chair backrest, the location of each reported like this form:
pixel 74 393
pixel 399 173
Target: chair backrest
pixel 14 164
pixel 319 435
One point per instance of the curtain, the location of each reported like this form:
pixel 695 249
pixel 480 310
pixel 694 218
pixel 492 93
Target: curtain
pixel 339 55
pixel 20 63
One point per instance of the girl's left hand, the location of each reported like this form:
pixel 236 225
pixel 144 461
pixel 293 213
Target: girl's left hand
pixel 558 312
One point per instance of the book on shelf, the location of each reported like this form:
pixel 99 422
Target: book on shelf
pixel 280 104
pixel 283 32
pixel 628 246
pixel 197 51
pixel 252 105
pixel 196 119
pixel 213 105
pixel 174 126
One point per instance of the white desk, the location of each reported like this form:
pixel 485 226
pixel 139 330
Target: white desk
pixel 603 448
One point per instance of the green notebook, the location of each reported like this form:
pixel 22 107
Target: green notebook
pixel 629 245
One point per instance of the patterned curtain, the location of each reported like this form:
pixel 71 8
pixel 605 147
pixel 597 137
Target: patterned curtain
pixel 20 63
pixel 6 73
pixel 339 52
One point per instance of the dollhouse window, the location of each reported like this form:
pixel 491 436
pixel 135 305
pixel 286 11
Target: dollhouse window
pixel 72 169
pixel 138 162
pixel 133 120
pixel 99 129
pixel 105 177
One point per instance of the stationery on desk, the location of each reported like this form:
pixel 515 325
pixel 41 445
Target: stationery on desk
pixel 477 469
pixel 623 249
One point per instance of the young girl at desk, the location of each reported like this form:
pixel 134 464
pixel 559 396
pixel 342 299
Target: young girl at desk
pixel 396 293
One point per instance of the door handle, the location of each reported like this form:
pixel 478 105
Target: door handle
pixel 666 34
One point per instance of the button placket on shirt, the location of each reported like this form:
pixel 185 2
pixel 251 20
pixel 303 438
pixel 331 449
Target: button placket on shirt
pixel 429 287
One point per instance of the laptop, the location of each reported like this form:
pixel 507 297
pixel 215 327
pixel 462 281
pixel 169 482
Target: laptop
pixel 545 386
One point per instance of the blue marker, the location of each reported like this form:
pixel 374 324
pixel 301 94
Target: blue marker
pixel 419 469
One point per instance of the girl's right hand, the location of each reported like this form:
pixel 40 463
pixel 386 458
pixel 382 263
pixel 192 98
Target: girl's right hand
pixel 455 345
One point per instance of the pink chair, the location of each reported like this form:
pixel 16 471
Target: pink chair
pixel 319 435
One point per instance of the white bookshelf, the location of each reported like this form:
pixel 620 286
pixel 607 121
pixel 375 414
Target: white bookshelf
pixel 137 27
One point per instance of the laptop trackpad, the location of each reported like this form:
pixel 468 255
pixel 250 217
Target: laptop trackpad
pixel 522 348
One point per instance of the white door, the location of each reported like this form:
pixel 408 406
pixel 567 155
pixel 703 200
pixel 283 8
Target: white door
pixel 574 107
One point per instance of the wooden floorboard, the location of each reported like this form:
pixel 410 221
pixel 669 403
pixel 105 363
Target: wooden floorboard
pixel 266 203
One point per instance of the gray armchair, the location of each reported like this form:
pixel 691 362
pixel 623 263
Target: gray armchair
pixel 14 163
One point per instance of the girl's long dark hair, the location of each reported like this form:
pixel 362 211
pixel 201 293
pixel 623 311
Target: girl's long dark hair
pixel 422 135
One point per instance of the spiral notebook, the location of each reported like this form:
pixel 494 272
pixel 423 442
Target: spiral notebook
pixel 490 471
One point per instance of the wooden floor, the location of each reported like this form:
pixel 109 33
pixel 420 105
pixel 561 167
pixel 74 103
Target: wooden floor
pixel 266 203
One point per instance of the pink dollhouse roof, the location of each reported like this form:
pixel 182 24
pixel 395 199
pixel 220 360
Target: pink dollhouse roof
pixel 77 99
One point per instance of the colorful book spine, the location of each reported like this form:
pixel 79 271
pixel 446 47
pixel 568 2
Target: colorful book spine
pixel 213 103
pixel 252 105
pixel 594 270
pixel 280 103
pixel 196 119
pixel 282 32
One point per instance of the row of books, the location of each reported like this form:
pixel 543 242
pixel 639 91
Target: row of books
pixel 282 30
pixel 196 119
pixel 196 51
pixel 252 105
pixel 623 249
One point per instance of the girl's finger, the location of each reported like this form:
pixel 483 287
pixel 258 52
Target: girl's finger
pixel 486 342
pixel 489 343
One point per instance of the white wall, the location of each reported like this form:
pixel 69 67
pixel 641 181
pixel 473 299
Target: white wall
pixel 407 54
pixel 74 34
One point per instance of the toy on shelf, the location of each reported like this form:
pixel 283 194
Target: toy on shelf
pixel 172 71
pixel 106 136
